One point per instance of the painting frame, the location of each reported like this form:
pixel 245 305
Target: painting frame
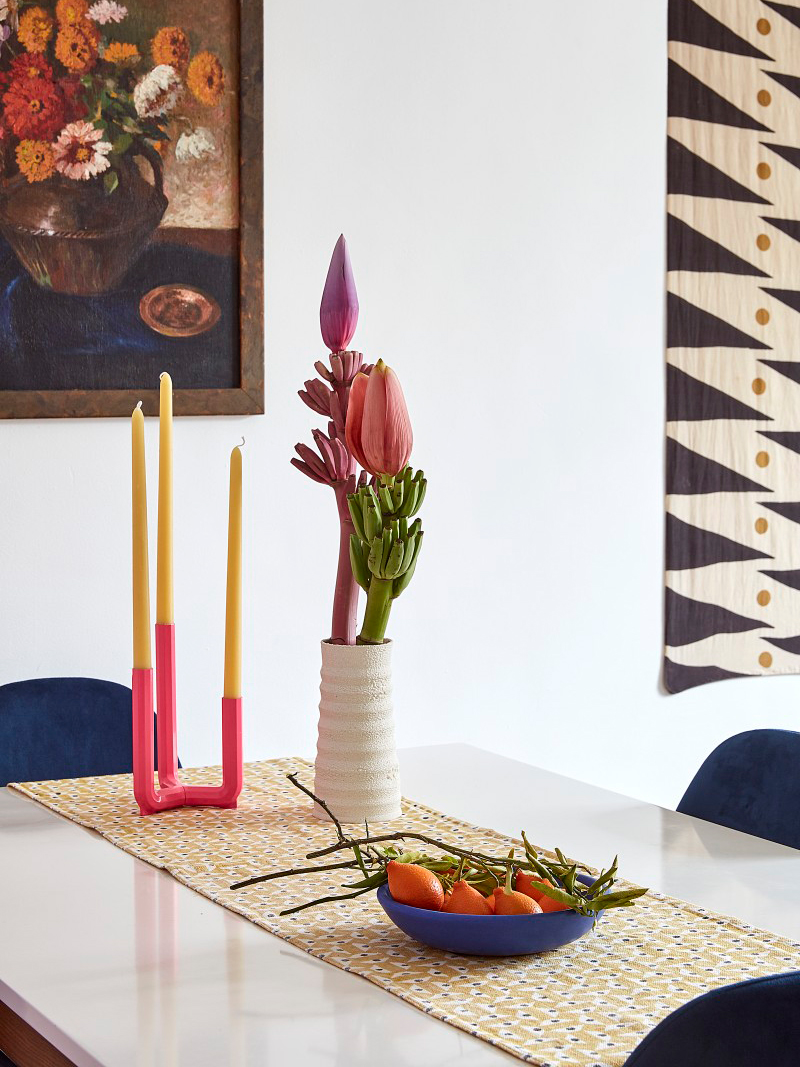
pixel 248 397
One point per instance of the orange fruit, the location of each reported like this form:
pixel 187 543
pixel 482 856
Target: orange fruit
pixel 548 904
pixel 414 885
pixel 490 902
pixel 509 902
pixel 527 884
pixel 465 900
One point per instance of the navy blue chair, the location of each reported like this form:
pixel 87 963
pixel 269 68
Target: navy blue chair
pixel 751 782
pixel 64 728
pixel 750 1024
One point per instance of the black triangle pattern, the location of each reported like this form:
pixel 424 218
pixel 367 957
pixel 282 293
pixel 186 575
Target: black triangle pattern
pixel 689 474
pixel 693 620
pixel 690 400
pixel 692 24
pixel 788 644
pixel 787 367
pixel 789 297
pixel 687 249
pixel 689 547
pixel 788 226
pixel 678 677
pixel 689 98
pixel 689 326
pixel 788 438
pixel 790 578
pixel 691 175
pixel 788 81
pixel 789 510
pixel 787 152
pixel 788 12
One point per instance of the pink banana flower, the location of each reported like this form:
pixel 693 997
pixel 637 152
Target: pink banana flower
pixel 378 430
pixel 338 312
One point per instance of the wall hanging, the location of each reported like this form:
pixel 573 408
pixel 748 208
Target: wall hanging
pixel 733 341
pixel 130 206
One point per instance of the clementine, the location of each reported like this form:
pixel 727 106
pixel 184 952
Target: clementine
pixel 466 900
pixel 509 902
pixel 414 885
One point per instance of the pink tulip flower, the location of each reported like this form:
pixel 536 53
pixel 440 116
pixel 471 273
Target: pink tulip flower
pixel 338 312
pixel 378 429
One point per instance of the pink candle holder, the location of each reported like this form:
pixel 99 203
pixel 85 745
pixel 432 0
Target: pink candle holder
pixel 171 793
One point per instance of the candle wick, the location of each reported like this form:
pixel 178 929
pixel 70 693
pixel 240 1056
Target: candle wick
pixel 139 405
pixel 242 444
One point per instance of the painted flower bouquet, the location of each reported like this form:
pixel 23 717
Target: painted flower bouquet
pixel 363 457
pixel 77 96
pixel 80 99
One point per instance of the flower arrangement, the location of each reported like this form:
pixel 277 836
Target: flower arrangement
pixel 76 97
pixel 368 428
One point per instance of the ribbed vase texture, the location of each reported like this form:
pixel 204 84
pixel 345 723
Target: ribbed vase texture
pixel 356 771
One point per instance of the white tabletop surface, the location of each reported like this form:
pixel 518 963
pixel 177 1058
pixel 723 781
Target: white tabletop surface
pixel 120 966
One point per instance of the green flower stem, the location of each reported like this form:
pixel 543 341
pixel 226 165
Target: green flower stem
pixel 376 614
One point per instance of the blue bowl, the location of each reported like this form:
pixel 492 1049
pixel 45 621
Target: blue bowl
pixel 487 935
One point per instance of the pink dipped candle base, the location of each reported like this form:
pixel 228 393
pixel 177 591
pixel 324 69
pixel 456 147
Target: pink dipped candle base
pixel 170 791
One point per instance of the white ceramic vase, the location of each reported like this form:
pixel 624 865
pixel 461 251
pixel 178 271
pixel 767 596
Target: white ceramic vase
pixel 356 771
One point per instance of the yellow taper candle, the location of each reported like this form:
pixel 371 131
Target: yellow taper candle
pixel 141 565
pixel 233 599
pixel 165 601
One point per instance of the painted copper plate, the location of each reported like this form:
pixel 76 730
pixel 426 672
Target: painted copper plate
pixel 179 310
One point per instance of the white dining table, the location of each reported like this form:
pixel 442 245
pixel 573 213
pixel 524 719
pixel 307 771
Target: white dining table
pixel 107 962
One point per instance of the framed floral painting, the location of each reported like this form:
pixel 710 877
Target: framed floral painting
pixel 130 206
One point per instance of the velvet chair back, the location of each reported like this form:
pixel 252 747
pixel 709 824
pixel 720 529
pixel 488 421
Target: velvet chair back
pixel 64 728
pixel 751 782
pixel 750 1024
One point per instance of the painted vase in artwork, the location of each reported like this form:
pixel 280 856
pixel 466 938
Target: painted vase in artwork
pixel 73 237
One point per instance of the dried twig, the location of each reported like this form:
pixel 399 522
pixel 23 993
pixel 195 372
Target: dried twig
pixel 560 875
pixel 317 800
pixel 293 870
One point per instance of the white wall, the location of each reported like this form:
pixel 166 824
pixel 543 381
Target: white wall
pixel 497 167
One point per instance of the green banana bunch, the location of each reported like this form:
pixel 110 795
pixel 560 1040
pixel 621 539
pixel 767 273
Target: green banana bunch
pixel 391 554
pixel 384 548
pixel 398 497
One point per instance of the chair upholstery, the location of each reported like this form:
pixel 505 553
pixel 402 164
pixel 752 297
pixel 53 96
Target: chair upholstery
pixel 64 728
pixel 751 782
pixel 750 1024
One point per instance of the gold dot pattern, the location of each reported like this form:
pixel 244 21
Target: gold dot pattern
pixel 762 316
pixel 763 27
pixel 763 598
pixel 590 1003
pixel 761 526
pixel 765 659
pixel 764 98
pixel 759 386
pixel 762 459
pixel 763 242
pixel 763 170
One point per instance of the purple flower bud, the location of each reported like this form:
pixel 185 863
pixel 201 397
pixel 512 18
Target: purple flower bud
pixel 338 312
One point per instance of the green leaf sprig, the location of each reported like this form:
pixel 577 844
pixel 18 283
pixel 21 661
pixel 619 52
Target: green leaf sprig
pixel 371 855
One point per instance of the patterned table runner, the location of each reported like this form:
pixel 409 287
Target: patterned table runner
pixel 586 1005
